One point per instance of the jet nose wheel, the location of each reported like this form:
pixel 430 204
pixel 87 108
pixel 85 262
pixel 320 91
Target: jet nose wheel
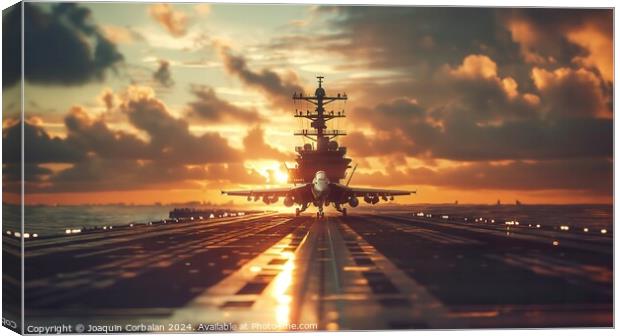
pixel 297 212
pixel 344 212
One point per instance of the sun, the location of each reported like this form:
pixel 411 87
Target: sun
pixel 274 172
pixel 281 177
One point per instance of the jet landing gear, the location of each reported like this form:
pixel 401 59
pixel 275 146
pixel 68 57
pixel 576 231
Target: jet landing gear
pixel 299 211
pixel 343 211
pixel 320 213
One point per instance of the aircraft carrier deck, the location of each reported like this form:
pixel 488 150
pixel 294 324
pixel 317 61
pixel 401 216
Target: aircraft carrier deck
pixel 273 271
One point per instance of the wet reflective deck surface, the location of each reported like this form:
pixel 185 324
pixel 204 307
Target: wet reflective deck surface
pixel 364 271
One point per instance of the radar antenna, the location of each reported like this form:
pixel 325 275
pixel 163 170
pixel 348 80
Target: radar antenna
pixel 319 118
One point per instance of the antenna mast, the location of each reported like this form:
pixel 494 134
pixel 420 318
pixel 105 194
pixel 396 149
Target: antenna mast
pixel 319 118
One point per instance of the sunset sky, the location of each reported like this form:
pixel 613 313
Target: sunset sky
pixel 143 103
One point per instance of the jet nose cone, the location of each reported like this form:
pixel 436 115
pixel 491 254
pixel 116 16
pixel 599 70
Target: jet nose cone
pixel 320 188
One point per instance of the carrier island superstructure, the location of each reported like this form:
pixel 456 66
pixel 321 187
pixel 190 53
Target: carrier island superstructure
pixel 323 153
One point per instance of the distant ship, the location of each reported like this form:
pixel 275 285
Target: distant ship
pixel 193 213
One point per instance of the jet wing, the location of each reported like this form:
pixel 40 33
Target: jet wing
pixel 259 192
pixel 381 192
pixel 344 191
pixel 296 194
pixel 300 192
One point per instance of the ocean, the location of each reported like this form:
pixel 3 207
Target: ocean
pixel 574 215
pixel 54 220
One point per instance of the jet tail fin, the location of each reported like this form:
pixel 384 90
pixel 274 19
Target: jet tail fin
pixel 351 176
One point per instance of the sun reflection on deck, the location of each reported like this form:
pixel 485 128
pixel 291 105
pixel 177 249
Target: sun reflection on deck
pixel 280 289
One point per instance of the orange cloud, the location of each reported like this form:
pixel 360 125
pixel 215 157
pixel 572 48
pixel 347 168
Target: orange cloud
pixel 175 22
pixel 477 66
pixel 108 98
pixel 510 87
pixel 571 92
pixel 600 47
pixel 120 35
pixel 544 78
pixel 554 38
pixel 483 67
pixel 136 93
pixel 524 33
pixel 531 99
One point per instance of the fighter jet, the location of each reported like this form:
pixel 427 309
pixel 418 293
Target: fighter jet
pixel 319 170
pixel 320 193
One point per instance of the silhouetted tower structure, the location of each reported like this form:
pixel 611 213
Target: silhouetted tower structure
pixel 323 153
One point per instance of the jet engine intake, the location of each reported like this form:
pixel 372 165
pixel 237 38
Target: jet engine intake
pixel 375 199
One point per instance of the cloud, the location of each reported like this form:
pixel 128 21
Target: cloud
pixel 564 36
pixel 528 86
pixel 11 45
pixel 41 147
pixel 477 66
pixel 570 92
pixel 155 150
pixel 256 148
pixel 477 86
pixel 64 46
pixel 100 158
pixel 374 36
pixel 600 49
pixel 276 88
pixel 202 9
pixel 459 137
pixel 104 175
pixel 468 109
pixel 209 107
pixel 361 146
pixel 175 22
pixel 162 75
pixel 169 137
pixel 121 35
pixel 513 98
pixel 88 135
pixel 588 175
pixel 235 173
pixel 99 174
pixel 108 98
pixel 12 181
